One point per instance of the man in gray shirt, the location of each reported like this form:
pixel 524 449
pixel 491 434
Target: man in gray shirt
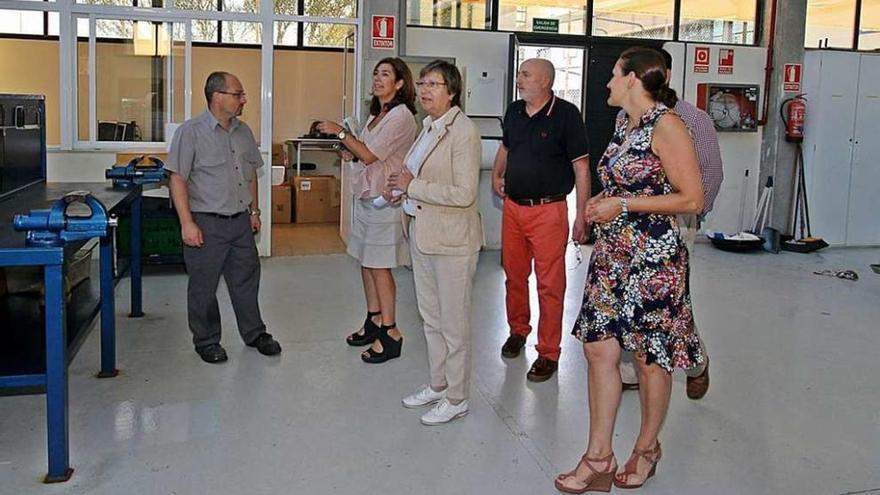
pixel 213 165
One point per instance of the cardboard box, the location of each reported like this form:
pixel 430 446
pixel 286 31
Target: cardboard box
pixel 29 279
pixel 336 194
pixel 278 155
pixel 122 158
pixel 282 204
pixel 313 197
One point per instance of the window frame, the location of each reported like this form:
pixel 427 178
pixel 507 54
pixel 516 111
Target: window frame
pixel 491 11
pixel 857 30
pixel 676 21
pixel 44 6
pixel 68 41
pixel 49 6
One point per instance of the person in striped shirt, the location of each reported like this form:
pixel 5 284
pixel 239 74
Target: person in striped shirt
pixel 705 138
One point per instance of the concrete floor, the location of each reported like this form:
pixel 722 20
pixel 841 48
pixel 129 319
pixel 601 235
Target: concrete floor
pixel 302 239
pixel 794 405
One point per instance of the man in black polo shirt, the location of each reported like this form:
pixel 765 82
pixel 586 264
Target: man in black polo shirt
pixel 543 156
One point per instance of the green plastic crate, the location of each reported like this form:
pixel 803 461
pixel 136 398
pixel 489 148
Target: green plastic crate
pixel 161 236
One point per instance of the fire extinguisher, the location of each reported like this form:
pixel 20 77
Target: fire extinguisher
pixel 793 112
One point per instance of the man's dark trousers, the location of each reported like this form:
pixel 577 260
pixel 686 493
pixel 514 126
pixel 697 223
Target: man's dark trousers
pixel 229 250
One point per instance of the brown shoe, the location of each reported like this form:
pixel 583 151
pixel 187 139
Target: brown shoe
pixel 513 346
pixel 697 386
pixel 542 369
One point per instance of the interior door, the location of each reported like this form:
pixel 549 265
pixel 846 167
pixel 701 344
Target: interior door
pixel 513 56
pixel 600 117
pixel 832 119
pixel 863 228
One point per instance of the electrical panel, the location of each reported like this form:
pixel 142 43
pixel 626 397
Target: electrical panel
pixel 484 94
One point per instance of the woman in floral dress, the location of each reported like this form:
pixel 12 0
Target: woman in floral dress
pixel 637 296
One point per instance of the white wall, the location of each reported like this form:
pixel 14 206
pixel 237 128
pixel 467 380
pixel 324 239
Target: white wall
pixel 473 49
pixel 739 150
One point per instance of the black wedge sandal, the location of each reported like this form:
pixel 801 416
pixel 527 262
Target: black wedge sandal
pixel 390 347
pixel 371 332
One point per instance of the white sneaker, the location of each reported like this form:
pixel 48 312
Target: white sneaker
pixel 444 412
pixel 424 396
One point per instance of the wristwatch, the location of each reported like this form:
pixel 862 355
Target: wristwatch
pixel 341 134
pixel 255 212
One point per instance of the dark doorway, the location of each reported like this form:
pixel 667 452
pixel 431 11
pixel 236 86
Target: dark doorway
pixel 599 117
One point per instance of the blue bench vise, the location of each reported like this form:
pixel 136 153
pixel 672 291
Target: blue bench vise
pixel 139 171
pixel 54 227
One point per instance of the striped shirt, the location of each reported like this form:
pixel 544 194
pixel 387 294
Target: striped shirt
pixel 708 153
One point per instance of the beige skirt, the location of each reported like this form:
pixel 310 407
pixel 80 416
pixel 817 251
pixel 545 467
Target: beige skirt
pixel 376 238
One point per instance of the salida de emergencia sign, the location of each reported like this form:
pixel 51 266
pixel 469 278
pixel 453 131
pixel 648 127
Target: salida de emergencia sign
pixel 545 25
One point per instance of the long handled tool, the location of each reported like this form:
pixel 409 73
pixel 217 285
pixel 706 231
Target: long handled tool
pixel 806 243
pixel 742 200
pixel 762 213
pixel 761 225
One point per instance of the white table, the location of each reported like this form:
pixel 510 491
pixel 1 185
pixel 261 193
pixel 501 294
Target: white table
pixel 310 144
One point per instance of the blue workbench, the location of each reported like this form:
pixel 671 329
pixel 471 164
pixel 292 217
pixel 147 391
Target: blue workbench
pixel 59 346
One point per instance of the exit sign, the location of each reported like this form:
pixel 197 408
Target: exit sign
pixel 545 25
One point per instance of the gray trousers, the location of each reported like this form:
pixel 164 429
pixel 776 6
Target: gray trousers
pixel 689 225
pixel 229 250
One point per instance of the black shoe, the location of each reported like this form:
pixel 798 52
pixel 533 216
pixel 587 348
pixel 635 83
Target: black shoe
pixel 212 353
pixel 370 329
pixel 390 347
pixel 513 346
pixel 542 369
pixel 629 386
pixel 266 345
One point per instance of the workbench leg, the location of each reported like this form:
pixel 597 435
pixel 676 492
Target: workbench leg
pixel 136 235
pixel 108 311
pixel 56 377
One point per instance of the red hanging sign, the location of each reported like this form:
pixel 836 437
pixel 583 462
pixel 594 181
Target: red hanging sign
pixel 791 78
pixel 701 59
pixel 725 61
pixel 383 32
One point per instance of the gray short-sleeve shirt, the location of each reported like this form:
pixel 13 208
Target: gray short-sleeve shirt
pixel 217 164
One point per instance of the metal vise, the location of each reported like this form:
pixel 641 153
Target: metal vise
pixel 54 227
pixel 136 173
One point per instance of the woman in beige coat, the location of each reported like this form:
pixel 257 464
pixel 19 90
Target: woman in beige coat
pixel 441 213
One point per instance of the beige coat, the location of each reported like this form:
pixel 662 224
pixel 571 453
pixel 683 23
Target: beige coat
pixel 446 190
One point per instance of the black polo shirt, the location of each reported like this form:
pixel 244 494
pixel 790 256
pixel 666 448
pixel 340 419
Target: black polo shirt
pixel 541 149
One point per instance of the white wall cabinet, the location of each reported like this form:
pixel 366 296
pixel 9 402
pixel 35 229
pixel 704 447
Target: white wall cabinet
pixel 841 148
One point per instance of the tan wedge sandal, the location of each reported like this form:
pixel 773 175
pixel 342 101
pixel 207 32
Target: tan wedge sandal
pixel 632 465
pixel 596 481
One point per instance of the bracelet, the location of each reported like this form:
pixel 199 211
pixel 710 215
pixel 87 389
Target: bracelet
pixel 624 206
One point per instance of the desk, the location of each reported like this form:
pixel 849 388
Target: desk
pixel 310 144
pixel 59 345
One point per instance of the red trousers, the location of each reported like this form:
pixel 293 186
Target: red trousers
pixel 537 233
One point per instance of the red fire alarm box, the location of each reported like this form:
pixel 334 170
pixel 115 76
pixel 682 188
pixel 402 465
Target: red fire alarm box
pixel 732 107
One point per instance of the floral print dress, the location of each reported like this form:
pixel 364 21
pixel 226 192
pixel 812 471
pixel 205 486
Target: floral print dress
pixel 637 287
